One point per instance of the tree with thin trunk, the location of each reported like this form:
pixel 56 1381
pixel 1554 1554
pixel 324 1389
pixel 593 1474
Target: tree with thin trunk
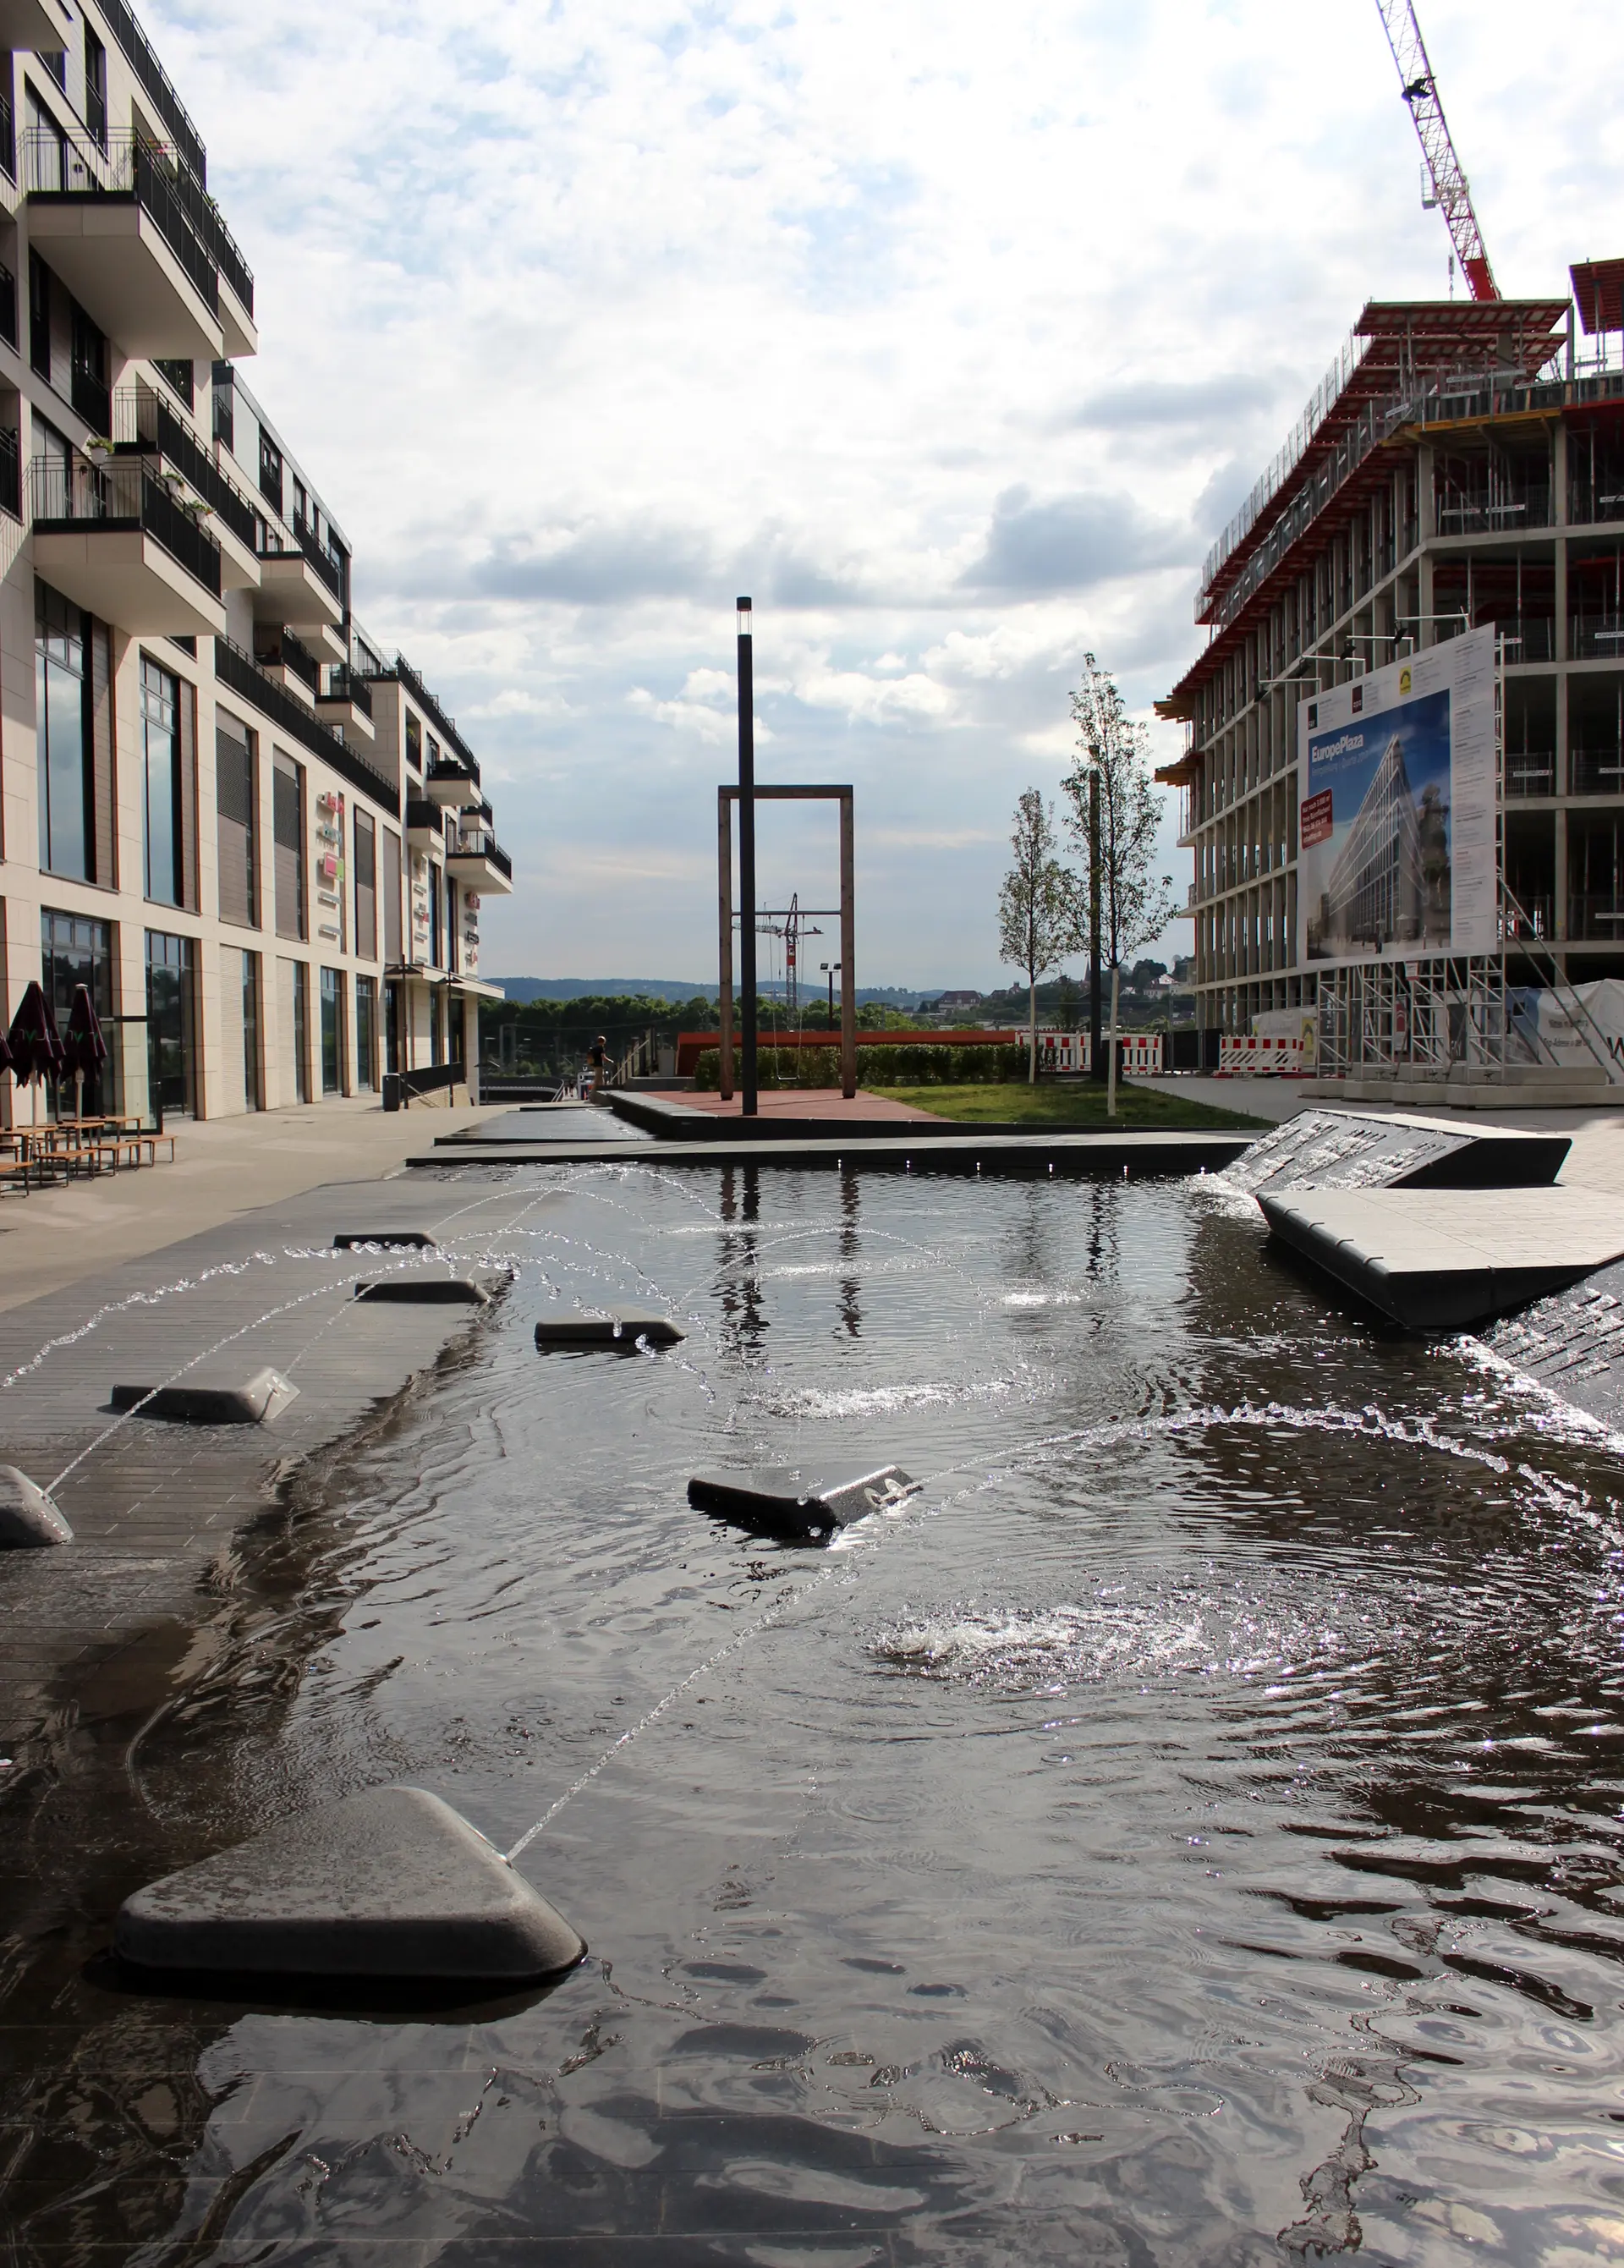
pixel 1038 907
pixel 1135 902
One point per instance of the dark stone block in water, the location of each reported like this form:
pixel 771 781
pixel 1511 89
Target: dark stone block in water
pixel 426 1290
pixel 619 1327
pixel 782 1502
pixel 386 1240
pixel 391 1883
pixel 1353 1150
pixel 212 1401
pixel 28 1519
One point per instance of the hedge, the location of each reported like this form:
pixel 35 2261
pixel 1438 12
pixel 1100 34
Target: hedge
pixel 913 1065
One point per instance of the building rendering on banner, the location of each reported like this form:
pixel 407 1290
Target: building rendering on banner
pixel 1443 532
pixel 258 839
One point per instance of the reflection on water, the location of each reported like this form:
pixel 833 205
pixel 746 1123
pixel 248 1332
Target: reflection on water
pixel 1191 1832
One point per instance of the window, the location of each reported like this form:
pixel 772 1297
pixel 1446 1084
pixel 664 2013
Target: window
pixel 366 1032
pixel 178 377
pixel 224 405
pixel 301 505
pixel 413 743
pixel 39 315
pixel 88 387
pixel 75 952
pixel 56 62
pixel 163 828
pixel 67 824
pixel 171 1023
pixel 301 1030
pixel 366 885
pixel 288 791
pixel 96 87
pixel 236 773
pixel 452 957
pixel 331 1031
pixel 392 898
pixel 270 472
pixel 435 947
pixel 253 1095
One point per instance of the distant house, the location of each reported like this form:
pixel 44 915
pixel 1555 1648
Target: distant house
pixel 950 1002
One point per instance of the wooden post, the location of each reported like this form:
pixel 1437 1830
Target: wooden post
pixel 724 937
pixel 849 951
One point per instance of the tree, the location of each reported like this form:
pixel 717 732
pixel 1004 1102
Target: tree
pixel 1134 903
pixel 1039 908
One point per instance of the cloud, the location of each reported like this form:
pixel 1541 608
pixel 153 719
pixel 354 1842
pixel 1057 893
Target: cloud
pixel 1068 542
pixel 1180 405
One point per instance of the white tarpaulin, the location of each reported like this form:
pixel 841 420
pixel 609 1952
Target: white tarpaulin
pixel 1564 1031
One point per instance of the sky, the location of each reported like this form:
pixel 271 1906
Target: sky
pixel 953 334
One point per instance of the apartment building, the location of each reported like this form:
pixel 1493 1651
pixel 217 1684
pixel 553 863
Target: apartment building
pixel 1462 465
pixel 259 841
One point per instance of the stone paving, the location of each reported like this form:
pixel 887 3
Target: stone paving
pixel 92 1627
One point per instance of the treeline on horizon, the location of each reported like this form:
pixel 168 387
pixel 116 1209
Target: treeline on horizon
pixel 555 1034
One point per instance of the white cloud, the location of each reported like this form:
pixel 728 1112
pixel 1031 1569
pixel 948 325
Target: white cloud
pixel 950 341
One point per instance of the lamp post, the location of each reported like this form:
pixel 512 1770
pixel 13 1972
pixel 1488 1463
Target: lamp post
pixel 833 968
pixel 747 863
pixel 1095 1061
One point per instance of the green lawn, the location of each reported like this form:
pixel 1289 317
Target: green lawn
pixel 1080 1104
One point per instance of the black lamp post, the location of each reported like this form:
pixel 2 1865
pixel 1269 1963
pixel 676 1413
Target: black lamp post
pixel 747 863
pixel 833 967
pixel 1097 1060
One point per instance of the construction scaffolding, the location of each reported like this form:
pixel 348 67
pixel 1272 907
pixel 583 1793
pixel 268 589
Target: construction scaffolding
pixel 1426 1017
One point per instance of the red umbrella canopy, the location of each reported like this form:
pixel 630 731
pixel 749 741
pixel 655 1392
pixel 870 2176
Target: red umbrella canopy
pixel 83 1048
pixel 36 1049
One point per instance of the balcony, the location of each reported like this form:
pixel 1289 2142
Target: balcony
pixel 114 226
pixel 451 784
pixel 478 864
pixel 425 829
pixel 300 585
pixel 346 701
pixel 240 674
pixel 288 662
pixel 143 423
pixel 115 538
pixel 37 27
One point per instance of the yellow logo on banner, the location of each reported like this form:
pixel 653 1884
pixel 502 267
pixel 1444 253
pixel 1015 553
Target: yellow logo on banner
pixel 1403 680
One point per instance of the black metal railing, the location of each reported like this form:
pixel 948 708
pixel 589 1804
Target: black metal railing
pixel 1529 772
pixel 1527 637
pixel 306 547
pixel 11 473
pixel 431 709
pixel 1597 771
pixel 450 771
pixel 72 492
pixel 282 648
pixel 1596 638
pixel 401 1087
pixel 142 421
pixel 239 672
pixel 478 844
pixel 424 817
pixel 54 166
pixel 344 685
pixel 171 110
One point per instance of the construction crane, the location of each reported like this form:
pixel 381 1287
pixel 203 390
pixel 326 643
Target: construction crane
pixel 1450 191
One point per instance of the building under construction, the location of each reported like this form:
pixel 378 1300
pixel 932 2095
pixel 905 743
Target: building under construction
pixel 1462 465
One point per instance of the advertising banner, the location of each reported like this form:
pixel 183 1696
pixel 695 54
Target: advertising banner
pixel 1396 852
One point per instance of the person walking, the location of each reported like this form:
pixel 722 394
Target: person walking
pixel 597 1056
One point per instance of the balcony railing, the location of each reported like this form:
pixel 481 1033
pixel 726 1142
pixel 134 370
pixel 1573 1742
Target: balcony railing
pixel 56 167
pixel 306 547
pixel 1527 637
pixel 480 843
pixel 141 421
pixel 1595 917
pixel 72 493
pixel 1596 638
pixel 171 110
pixel 344 685
pixel 1485 514
pixel 1598 771
pixel 450 771
pixel 1529 773
pixel 282 648
pixel 238 671
pixel 425 818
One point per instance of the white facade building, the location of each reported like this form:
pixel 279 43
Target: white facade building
pixel 260 843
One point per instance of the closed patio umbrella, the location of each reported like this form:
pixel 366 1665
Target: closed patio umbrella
pixel 84 1049
pixel 35 1046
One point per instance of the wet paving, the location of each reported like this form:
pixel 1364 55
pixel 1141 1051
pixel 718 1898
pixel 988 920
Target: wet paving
pixel 1190 1830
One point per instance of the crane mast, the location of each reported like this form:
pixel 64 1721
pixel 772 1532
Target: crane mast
pixel 1449 183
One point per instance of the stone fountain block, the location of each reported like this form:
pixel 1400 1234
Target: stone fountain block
pixel 387 1239
pixel 212 1400
pixel 619 1327
pixel 28 1519
pixel 781 1502
pixel 425 1291
pixel 391 1883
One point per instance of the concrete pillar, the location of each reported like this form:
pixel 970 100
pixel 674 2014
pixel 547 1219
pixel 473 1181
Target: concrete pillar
pixel 1560 885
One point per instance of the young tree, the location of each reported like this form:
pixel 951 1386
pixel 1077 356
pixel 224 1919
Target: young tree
pixel 1134 903
pixel 1039 908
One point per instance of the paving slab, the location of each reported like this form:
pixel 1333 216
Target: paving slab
pixel 1444 1259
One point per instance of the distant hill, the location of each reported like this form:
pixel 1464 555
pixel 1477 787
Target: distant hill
pixel 523 989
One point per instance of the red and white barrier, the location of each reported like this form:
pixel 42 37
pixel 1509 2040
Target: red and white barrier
pixel 1258 1058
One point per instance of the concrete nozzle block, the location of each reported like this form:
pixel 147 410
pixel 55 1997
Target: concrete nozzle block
pixel 28 1519
pixel 779 1501
pixel 425 1291
pixel 619 1327
pixel 392 1883
pixel 208 1401
pixel 386 1240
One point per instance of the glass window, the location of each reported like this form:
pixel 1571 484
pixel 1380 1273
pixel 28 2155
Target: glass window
pixel 59 707
pixel 171 1022
pixel 301 1030
pixel 366 885
pixel 287 814
pixel 96 87
pixel 75 952
pixel 331 1031
pixel 236 772
pixel 366 1032
pixel 413 743
pixel 252 1095
pixel 160 783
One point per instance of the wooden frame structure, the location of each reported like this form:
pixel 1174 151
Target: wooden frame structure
pixel 725 798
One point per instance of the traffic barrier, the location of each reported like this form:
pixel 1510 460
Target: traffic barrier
pixel 1258 1057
